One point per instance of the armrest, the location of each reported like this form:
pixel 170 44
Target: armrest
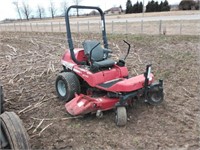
pixel 107 50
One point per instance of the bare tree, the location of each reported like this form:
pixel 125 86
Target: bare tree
pixel 64 7
pixel 26 10
pixel 17 9
pixel 52 9
pixel 40 11
pixel 77 2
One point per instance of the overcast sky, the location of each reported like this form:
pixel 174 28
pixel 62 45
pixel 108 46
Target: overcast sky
pixel 7 9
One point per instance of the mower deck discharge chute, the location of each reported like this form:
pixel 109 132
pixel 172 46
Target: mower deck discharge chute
pixel 91 82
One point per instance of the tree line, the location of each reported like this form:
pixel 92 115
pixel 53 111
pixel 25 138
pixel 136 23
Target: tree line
pixel 24 11
pixel 154 6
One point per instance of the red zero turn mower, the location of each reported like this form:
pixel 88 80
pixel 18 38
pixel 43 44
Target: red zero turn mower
pixel 13 135
pixel 91 82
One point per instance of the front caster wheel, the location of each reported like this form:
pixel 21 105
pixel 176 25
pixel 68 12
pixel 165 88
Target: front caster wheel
pixel 99 114
pixel 121 116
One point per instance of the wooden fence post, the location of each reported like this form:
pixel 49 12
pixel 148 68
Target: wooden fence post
pixel 25 26
pixel 142 27
pixel 14 27
pixel 88 26
pixel 99 26
pixel 51 27
pixel 78 27
pixel 31 27
pixel 37 27
pixel 181 27
pixel 112 27
pixel 160 26
pixel 20 28
pixel 126 26
pixel 59 27
pixel 44 26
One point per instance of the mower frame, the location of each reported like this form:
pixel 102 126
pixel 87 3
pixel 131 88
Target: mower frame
pixel 117 90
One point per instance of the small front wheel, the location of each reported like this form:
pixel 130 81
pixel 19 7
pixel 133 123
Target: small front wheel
pixel 121 116
pixel 99 114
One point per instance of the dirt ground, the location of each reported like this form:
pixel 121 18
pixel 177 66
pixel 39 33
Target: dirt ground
pixel 30 62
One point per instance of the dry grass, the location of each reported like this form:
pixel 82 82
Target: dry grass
pixel 191 27
pixel 184 27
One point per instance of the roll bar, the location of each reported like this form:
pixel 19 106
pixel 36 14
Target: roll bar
pixel 69 38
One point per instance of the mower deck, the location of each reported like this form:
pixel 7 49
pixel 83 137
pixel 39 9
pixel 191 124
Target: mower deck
pixel 83 104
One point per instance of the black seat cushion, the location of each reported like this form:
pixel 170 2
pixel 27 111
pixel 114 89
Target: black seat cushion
pixel 104 63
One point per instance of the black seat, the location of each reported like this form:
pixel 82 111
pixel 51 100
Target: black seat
pixel 99 56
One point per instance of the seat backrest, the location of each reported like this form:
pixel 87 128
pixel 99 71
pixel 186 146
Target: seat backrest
pixel 97 53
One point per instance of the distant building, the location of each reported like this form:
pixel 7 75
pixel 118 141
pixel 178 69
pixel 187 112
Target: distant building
pixel 113 10
pixel 7 21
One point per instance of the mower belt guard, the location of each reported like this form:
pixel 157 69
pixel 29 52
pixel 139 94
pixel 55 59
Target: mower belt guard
pixel 81 104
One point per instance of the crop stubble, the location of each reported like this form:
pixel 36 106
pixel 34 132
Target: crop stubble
pixel 31 61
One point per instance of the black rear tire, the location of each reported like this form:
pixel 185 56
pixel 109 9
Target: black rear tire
pixel 155 96
pixel 1 100
pixel 67 84
pixel 14 132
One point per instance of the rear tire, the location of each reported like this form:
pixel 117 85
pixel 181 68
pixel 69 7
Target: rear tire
pixel 121 116
pixel 1 100
pixel 14 132
pixel 67 84
pixel 155 96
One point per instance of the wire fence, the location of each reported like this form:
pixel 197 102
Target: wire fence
pixel 178 27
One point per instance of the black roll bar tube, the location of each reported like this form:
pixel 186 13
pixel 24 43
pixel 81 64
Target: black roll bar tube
pixel 69 37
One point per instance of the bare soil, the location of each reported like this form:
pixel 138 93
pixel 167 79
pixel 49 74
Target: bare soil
pixel 30 62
